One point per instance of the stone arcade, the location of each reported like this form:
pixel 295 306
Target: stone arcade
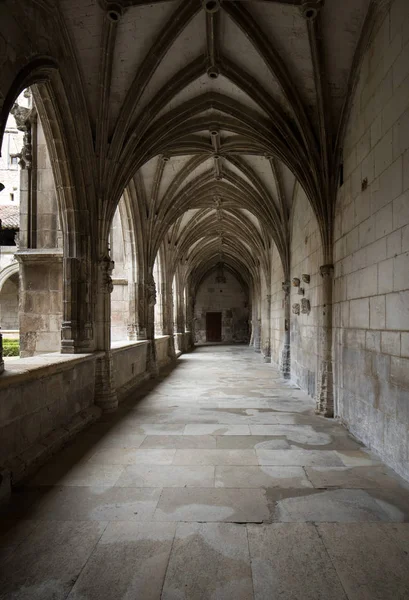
pixel 205 255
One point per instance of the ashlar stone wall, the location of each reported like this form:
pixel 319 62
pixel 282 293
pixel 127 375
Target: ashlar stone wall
pixel 277 307
pixel 306 258
pixel 230 299
pixel 371 313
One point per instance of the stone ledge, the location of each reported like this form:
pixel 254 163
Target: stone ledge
pixel 23 465
pixel 42 365
pixel 118 346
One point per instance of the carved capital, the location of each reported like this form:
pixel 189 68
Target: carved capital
pixel 327 270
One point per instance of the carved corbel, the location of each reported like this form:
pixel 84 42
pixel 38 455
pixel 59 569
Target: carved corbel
pixel 327 270
pixel 107 266
pixel 305 306
pixel 296 309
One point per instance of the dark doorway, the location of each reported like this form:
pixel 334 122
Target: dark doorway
pixel 214 326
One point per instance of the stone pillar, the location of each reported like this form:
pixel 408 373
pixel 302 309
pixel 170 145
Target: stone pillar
pixel 132 327
pixel 325 387
pixel 76 330
pixel 40 301
pixel 190 311
pixel 150 295
pixel 267 339
pixel 257 334
pixel 105 392
pixel 141 312
pixel 168 325
pixel 180 322
pixel 285 359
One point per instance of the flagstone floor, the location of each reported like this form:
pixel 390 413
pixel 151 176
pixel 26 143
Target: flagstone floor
pixel 214 482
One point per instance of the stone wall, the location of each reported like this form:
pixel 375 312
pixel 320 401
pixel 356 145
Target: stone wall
pixel 306 258
pixel 44 401
pixel 129 366
pixel 371 315
pixel 277 307
pixel 227 298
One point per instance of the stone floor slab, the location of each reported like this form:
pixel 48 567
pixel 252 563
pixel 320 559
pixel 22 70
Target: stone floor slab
pixel 215 457
pixel 223 549
pixel 207 504
pixel 353 477
pixel 298 457
pixel 94 503
pixel 129 561
pixel 257 442
pixel 47 563
pixel 337 506
pixel 133 456
pixel 205 429
pixel 179 441
pixel 369 563
pixel 290 561
pixel 167 476
pixel 261 477
pixel 78 474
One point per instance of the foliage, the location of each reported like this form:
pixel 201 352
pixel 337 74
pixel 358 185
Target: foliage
pixel 11 347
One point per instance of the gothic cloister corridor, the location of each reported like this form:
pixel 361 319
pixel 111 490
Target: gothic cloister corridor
pixel 215 481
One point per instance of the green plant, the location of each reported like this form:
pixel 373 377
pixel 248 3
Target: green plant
pixel 11 347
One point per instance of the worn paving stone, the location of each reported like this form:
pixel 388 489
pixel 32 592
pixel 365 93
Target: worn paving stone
pixel 207 504
pixel 223 549
pixel 46 564
pixel 129 561
pixel 78 474
pixel 179 441
pixel 94 503
pixel 256 442
pixel 290 561
pixel 370 563
pixel 205 429
pixel 167 476
pixel 215 457
pixel 132 456
pixel 337 506
pixel 93 481
pixel 261 477
pixel 298 457
pixel 353 477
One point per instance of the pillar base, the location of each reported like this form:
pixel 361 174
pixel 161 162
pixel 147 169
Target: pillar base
pixel 325 394
pixel 151 361
pixel 105 392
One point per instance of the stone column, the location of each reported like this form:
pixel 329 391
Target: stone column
pixel 105 392
pixel 285 359
pixel 190 311
pixel 325 386
pixel 1 355
pixel 132 327
pixel 168 325
pixel 180 322
pixel 150 295
pixel 267 339
pixel 76 330
pixel 40 300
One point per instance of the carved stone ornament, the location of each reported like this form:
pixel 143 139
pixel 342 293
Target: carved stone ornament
pixel 327 270
pixel 306 278
pixel 311 8
pixel 285 287
pixel 107 266
pixel 151 291
pixel 296 309
pixel 305 306
pixel 296 282
pixel 300 291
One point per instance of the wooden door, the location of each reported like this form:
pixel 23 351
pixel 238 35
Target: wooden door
pixel 214 327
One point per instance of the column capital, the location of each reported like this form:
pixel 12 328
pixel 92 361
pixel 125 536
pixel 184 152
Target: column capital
pixel 327 270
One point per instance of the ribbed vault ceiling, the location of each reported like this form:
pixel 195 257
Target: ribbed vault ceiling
pixel 209 112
